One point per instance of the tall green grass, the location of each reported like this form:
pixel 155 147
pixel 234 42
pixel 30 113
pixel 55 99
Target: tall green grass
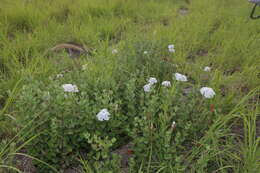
pixel 213 33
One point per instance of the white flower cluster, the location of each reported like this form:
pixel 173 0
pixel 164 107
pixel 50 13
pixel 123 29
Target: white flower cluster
pixel 180 77
pixel 166 83
pixel 84 67
pixel 173 124
pixel 207 69
pixel 114 51
pixel 207 92
pixel 70 88
pixel 151 82
pixel 171 48
pixel 147 87
pixel 59 75
pixel 103 115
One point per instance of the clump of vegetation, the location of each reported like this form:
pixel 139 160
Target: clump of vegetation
pixel 69 123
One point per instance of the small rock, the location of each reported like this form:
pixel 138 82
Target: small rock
pixel 183 11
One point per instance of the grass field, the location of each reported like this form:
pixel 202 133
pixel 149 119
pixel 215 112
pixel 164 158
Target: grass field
pixel 120 44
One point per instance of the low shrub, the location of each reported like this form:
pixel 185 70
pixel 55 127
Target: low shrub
pixel 165 118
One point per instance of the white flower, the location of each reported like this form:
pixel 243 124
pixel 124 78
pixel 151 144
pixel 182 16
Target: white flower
pixel 84 67
pixel 70 88
pixel 147 87
pixel 207 68
pixel 173 124
pixel 59 75
pixel 114 51
pixel 171 48
pixel 180 77
pixel 166 83
pixel 152 80
pixel 207 92
pixel 103 115
pixel 145 52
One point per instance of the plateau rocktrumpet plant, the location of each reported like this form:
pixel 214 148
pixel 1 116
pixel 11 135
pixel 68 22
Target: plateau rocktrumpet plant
pixel 70 88
pixel 103 115
pixel 207 92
